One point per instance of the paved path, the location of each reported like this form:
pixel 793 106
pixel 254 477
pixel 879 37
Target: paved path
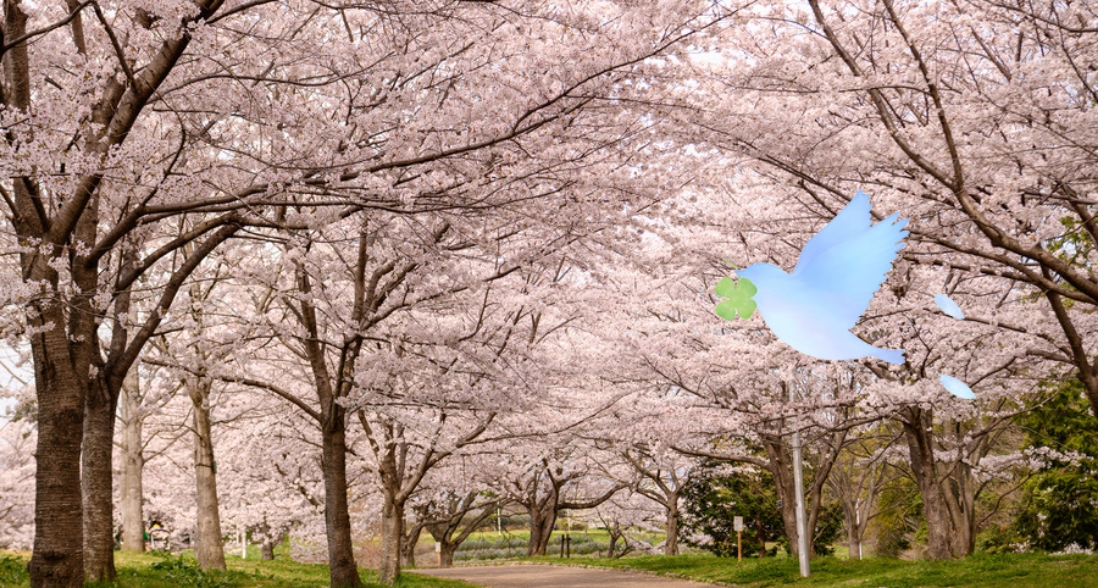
pixel 556 577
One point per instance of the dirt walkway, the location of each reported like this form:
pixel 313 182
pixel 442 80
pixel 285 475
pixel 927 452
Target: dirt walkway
pixel 536 576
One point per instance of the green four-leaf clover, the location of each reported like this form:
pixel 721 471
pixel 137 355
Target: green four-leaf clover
pixel 739 298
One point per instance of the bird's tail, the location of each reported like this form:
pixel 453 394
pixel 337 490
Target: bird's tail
pixel 895 356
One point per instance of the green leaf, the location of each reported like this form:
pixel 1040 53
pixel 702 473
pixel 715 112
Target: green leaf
pixel 739 298
pixel 746 288
pixel 726 288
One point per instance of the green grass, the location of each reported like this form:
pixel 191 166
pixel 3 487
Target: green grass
pixel 136 570
pixel 599 535
pixel 1030 570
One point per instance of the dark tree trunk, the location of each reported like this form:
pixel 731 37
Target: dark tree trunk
pixel 541 528
pixel 269 542
pixel 60 378
pixel 917 425
pixel 446 554
pixel 209 547
pixel 337 518
pixel 409 543
pixel 58 558
pixel 96 481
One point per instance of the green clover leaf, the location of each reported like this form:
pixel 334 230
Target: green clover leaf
pixel 739 298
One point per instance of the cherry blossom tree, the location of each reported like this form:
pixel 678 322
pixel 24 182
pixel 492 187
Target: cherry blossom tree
pixel 196 120
pixel 973 119
pixel 17 439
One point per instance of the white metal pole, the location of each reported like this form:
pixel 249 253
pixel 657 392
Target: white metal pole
pixel 798 492
pixel 858 523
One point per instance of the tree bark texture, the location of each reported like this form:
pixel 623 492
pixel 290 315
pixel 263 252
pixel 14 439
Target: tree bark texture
pixel 458 513
pixel 392 532
pixel 671 545
pixel 209 547
pixel 781 468
pixel 133 465
pixel 96 480
pixel 542 518
pixel 408 544
pixel 58 558
pixel 446 554
pixel 337 518
pixel 919 434
pixel 267 547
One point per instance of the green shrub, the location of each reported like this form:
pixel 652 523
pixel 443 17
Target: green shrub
pixel 185 572
pixel 1060 502
pixel 13 571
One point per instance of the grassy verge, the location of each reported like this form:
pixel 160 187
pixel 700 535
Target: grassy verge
pixel 1029 570
pixel 136 570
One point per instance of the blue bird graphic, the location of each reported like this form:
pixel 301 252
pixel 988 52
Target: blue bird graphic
pixel 840 269
pixel 949 307
pixel 956 387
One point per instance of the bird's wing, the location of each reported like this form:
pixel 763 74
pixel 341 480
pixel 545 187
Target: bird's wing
pixel 846 262
pixel 851 220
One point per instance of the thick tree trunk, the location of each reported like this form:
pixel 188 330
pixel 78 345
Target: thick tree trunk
pixel 671 545
pixel 209 547
pixel 96 481
pixel 919 435
pixel 60 384
pixel 58 558
pixel 781 468
pixel 959 505
pixel 133 465
pixel 337 518
pixel 760 534
pixel 267 550
pixel 541 529
pixel 852 520
pixel 409 543
pixel 392 531
pixel 446 554
pixel 855 545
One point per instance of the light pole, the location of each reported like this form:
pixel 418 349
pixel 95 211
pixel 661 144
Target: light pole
pixel 798 493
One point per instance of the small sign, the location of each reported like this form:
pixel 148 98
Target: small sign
pixel 438 548
pixel 737 523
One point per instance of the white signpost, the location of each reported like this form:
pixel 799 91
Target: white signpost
pixel 737 524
